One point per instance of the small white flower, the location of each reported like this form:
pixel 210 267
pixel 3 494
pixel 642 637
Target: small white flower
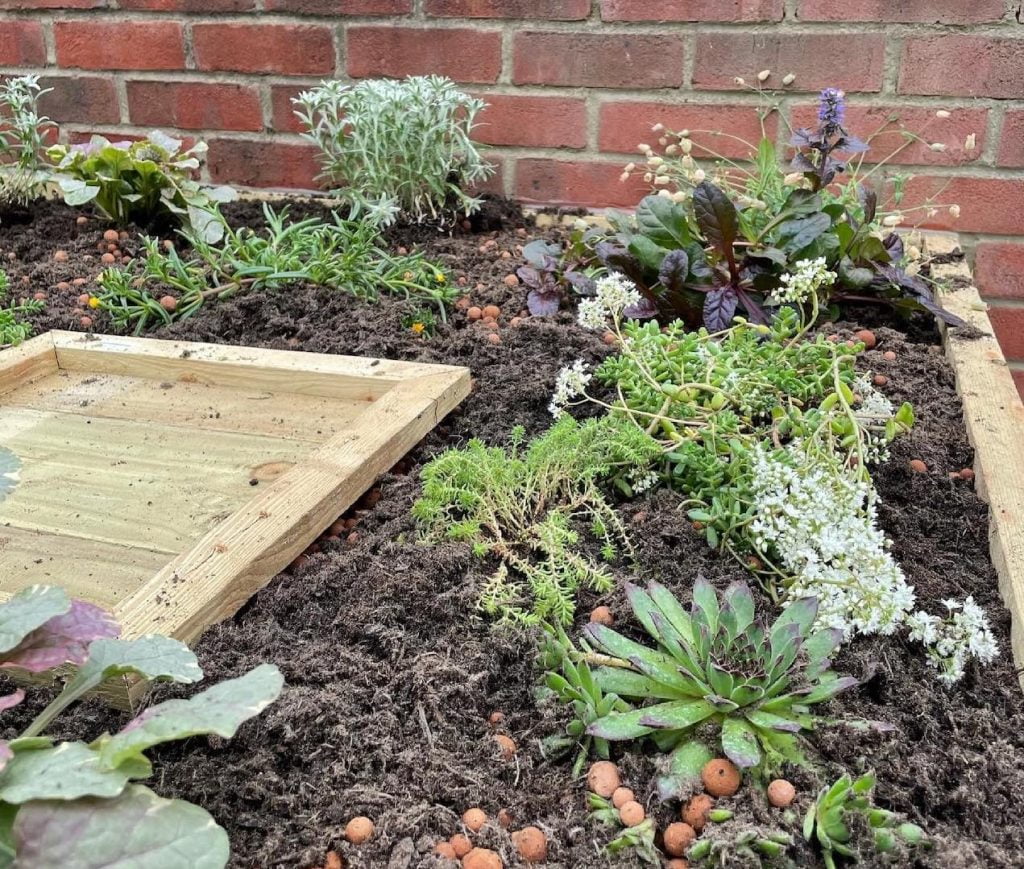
pixel 571 382
pixel 789 78
pixel 954 211
pixel 764 74
pixel 952 641
pixel 808 277
pixel 942 113
pixel 613 294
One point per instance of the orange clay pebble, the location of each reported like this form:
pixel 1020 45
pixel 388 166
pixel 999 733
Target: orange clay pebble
pixel 445 849
pixel 632 813
pixel 834 339
pixel 867 338
pixel 677 863
pixel 60 256
pixel 505 818
pixel 463 303
pixel 474 819
pixel 333 861
pixel 609 338
pixel 494 338
pixel 39 297
pixel 515 321
pixel 492 311
pixel 83 299
pixel 880 380
pixel 531 844
pixel 603 778
pixel 781 793
pixel 78 282
pixel 511 281
pixel 602 616
pixel 474 313
pixel 696 811
pixel 460 845
pixel 507 745
pixel 169 303
pixel 496 717
pixel 622 796
pixel 678 837
pixel 889 355
pixel 110 235
pixel 108 259
pixel 720 777
pixel 918 467
pixel 86 322
pixel 81 220
pixel 358 830
pixel 967 474
pixel 64 286
pixel 482 858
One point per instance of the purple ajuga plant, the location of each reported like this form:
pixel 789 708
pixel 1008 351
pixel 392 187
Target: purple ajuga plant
pixel 816 147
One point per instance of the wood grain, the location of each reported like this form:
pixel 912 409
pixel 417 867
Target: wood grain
pixel 994 416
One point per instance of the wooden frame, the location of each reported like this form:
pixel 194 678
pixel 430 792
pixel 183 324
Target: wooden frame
pixel 994 416
pixel 387 407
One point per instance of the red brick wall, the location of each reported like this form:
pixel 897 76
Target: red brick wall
pixel 574 86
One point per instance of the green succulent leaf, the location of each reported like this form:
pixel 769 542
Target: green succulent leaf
pixel 627 683
pixel 620 726
pixel 682 768
pixel 740 744
pixel 676 715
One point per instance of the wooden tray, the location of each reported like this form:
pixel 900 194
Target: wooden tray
pixel 170 481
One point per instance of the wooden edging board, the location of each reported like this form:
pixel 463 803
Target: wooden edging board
pixel 66 399
pixel 994 416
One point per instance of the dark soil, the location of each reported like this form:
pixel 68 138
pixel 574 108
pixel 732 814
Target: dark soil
pixel 392 675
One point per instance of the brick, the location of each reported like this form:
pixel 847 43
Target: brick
pixel 283 112
pixel 903 11
pixel 119 44
pixel 341 7
pixel 195 105
pixel 865 121
pixel 81 99
pixel 462 54
pixel 999 270
pixel 625 124
pixel 52 4
pixel 496 183
pixel 986 204
pixel 542 122
pixel 21 43
pixel 1018 378
pixel 564 182
pixel 263 164
pixel 553 10
pixel 625 60
pixel 969 66
pixel 294 49
pixel 691 10
pixel 189 5
pixel 852 61
pixel 1011 142
pixel 1008 324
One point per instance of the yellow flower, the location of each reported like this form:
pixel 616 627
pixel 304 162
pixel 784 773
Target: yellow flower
pixel 94 302
pixel 417 328
pixel 440 278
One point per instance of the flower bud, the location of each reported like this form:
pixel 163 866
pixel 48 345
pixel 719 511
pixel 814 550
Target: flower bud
pixel 643 148
pixel 789 78
pixel 954 211
pixel 763 75
pixel 687 146
pixel 699 175
pixel 971 142
pixel 665 194
pixel 629 167
pixel 913 252
pixel 624 176
pixel 648 177
pixel 942 113
pixel 662 141
pixel 684 134
pixel 655 161
pixel 892 220
pixel 661 179
pixel 672 150
pixel 739 80
pixel 937 146
pixel 657 128
pixel 793 179
pixel 679 196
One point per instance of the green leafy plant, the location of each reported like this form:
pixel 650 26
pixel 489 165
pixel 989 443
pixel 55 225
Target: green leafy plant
pixel 638 839
pixel 150 183
pixel 522 504
pixel 845 809
pixel 718 666
pixel 396 147
pixel 722 244
pixel 23 132
pixel 164 286
pixel 574 684
pixel 14 328
pixel 61 798
pixel 743 846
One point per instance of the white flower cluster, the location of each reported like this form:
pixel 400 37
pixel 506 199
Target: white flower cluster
pixel 819 524
pixel 614 293
pixel 571 382
pixel 809 277
pixel 641 481
pixel 951 641
pixel 874 409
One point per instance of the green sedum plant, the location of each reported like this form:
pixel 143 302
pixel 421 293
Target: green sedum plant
pixel 149 183
pixel 23 132
pixel 60 798
pixel 164 286
pixel 717 666
pixel 14 328
pixel 391 148
pixel 844 810
pixel 521 505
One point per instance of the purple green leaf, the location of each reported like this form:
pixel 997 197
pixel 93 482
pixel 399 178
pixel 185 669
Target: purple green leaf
pixel 719 308
pixel 63 639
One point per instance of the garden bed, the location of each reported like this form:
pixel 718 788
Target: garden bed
pixel 393 675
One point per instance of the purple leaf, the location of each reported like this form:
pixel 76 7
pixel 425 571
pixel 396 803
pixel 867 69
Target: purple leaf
pixel 9 701
pixel 64 639
pixel 869 202
pixel 642 310
pixel 755 313
pixel 719 308
pixel 529 276
pixel 580 283
pixel 716 216
pixel 674 269
pixel 803 164
pixel 543 304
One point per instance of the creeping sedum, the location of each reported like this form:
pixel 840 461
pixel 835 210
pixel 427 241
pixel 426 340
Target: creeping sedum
pixel 394 148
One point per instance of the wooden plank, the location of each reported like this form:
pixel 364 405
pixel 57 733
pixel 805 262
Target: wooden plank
pixel 352 377
pixel 27 362
pixel 205 406
pixel 104 573
pixel 231 563
pixel 994 416
pixel 116 481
